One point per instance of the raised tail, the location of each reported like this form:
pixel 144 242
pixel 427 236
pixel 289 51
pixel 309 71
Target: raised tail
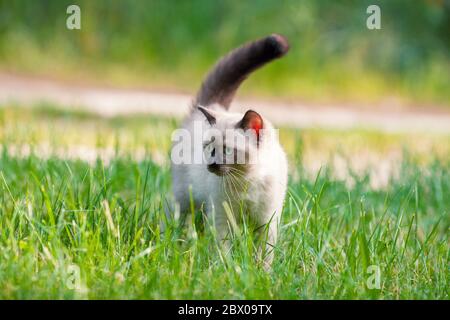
pixel 227 75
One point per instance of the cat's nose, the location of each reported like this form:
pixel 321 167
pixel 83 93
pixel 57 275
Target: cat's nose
pixel 216 169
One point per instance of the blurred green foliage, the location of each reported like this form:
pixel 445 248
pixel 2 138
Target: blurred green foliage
pixel 173 43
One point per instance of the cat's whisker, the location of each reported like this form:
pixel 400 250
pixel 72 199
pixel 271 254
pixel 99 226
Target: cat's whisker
pixel 239 182
pixel 233 181
pixel 241 178
pixel 237 172
pixel 226 186
pixel 230 187
pixel 239 186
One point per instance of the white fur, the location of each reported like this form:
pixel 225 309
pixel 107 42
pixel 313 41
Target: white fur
pixel 261 191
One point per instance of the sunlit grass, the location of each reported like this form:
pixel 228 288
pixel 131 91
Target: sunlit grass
pixel 61 215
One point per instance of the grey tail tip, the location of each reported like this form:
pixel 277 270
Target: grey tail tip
pixel 224 79
pixel 278 44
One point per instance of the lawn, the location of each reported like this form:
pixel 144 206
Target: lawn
pixel 82 201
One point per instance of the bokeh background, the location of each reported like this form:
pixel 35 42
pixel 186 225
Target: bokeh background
pixel 170 45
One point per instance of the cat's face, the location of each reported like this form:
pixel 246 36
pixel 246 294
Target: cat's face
pixel 231 144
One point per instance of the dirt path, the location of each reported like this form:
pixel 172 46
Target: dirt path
pixel 110 102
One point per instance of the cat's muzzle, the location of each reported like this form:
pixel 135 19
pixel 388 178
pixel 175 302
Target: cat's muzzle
pixel 218 169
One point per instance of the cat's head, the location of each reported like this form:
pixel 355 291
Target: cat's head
pixel 231 142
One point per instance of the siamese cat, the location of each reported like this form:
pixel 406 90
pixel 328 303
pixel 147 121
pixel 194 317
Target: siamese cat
pixel 242 168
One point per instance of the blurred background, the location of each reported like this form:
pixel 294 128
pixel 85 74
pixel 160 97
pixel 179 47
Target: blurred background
pixel 168 46
pixel 366 94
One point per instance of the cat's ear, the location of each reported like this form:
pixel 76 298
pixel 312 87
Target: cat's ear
pixel 253 121
pixel 208 114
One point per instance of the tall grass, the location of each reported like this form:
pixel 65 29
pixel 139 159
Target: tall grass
pixel 104 220
pixel 77 229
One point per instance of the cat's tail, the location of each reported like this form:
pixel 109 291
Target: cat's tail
pixel 227 75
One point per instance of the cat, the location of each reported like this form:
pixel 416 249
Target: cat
pixel 221 186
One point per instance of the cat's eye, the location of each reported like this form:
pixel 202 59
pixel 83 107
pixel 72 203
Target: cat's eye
pixel 228 151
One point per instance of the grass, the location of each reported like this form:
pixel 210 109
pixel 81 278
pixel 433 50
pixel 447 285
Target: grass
pixel 61 216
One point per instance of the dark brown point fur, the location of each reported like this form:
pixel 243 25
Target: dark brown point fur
pixel 225 78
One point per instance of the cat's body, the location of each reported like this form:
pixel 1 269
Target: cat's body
pixel 256 187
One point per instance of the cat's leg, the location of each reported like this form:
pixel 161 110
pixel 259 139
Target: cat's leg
pixel 268 235
pixel 271 240
pixel 219 220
